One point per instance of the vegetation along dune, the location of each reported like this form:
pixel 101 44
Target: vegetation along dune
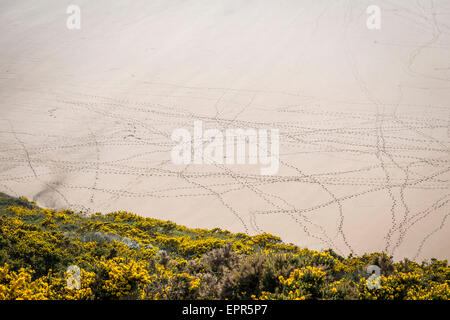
pixel 340 159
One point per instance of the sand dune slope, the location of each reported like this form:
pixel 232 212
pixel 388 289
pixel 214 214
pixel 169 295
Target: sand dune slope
pixel 364 117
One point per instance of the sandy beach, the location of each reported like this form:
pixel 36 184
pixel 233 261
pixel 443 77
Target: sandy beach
pixel 86 115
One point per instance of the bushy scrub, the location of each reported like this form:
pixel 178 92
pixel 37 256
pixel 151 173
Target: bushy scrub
pixel 124 256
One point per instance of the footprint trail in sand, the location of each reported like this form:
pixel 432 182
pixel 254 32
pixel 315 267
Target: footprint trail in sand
pixel 364 116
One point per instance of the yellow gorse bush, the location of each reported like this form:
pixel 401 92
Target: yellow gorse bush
pixel 124 256
pixel 302 283
pixel 407 286
pixel 20 286
pixel 122 278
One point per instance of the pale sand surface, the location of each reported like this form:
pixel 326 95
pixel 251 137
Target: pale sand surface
pixel 364 115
